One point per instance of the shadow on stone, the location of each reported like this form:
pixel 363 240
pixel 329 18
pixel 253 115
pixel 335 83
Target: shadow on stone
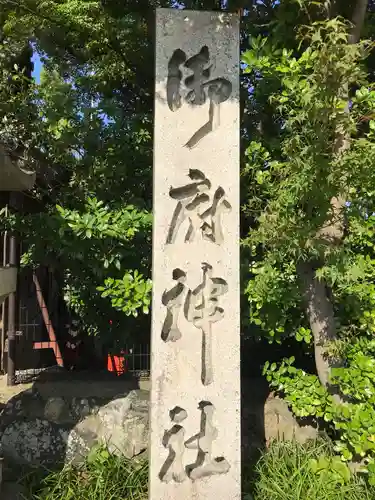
pixel 254 393
pixel 62 416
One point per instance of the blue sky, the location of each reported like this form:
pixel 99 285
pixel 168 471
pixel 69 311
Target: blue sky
pixel 37 66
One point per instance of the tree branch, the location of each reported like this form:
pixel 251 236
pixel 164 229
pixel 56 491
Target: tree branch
pixel 318 304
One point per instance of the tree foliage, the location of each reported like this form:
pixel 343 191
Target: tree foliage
pixel 86 129
pixel 307 191
pixel 322 98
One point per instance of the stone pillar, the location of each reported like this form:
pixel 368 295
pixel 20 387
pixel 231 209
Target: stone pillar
pixel 195 399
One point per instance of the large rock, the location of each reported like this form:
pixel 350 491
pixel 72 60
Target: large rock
pixel 50 438
pixel 34 442
pixel 121 424
pixel 40 427
pixel 280 423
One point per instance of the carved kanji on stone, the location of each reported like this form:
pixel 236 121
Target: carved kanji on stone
pixel 173 300
pixel 206 464
pixel 199 86
pixel 200 308
pixel 192 200
pixel 173 468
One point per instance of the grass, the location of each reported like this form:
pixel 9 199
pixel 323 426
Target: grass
pixel 102 477
pixel 284 472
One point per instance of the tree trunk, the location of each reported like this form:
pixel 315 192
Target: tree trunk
pixel 319 310
pixel 318 304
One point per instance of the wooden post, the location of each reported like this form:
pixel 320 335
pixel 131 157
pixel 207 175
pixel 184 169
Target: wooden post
pixel 3 306
pixel 12 317
pixel 52 344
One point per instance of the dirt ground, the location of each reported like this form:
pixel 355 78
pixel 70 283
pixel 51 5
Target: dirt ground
pixel 68 385
pixel 6 392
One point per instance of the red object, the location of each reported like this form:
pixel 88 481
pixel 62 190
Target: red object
pixel 116 364
pixel 52 344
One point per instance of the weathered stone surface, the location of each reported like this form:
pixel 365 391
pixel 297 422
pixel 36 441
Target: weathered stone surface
pixel 34 442
pixel 280 424
pixel 54 409
pixel 61 410
pixel 25 403
pixel 122 424
pixel 195 325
